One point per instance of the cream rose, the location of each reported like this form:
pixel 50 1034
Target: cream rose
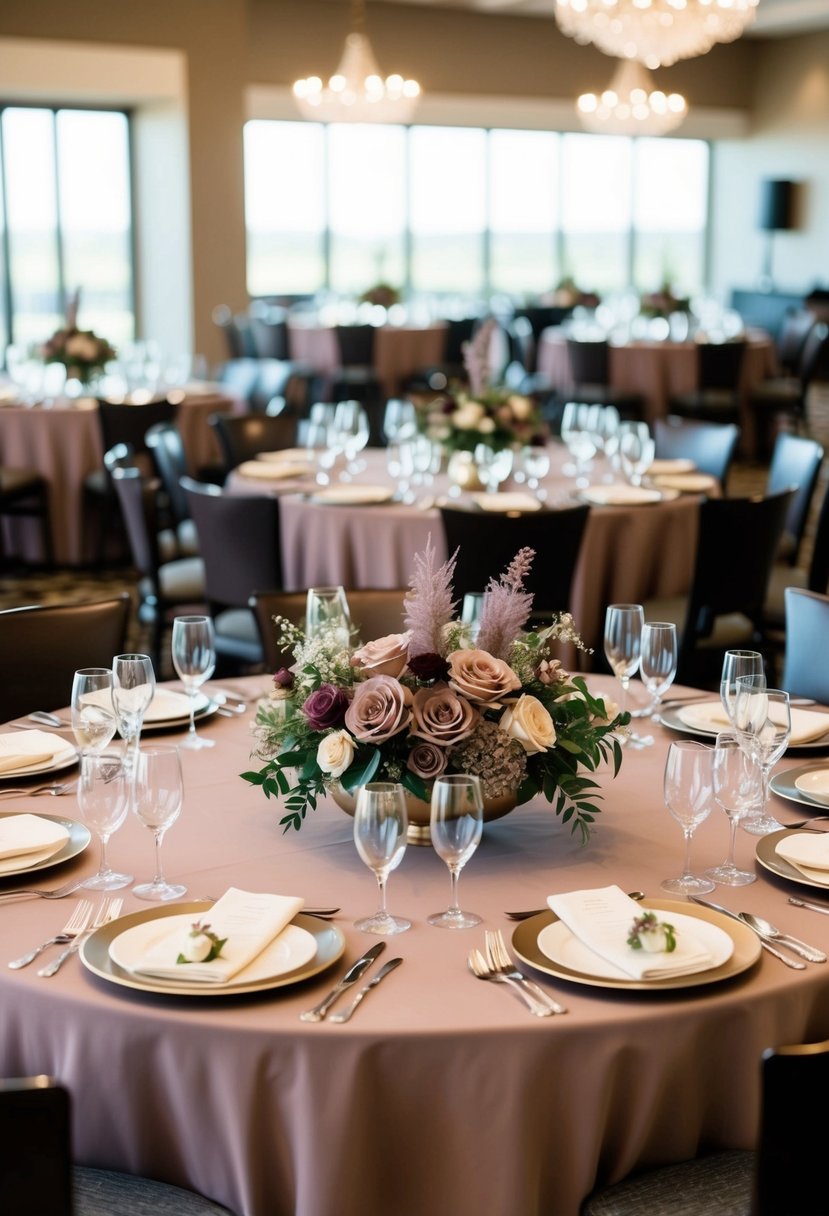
pixel 522 408
pixel 486 426
pixel 379 709
pixel 80 346
pixel 384 657
pixel 468 416
pixel 480 676
pixel 441 716
pixel 530 723
pixel 335 753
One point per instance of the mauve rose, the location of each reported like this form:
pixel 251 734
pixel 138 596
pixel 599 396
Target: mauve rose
pixel 429 666
pixel 326 707
pixel 441 716
pixel 284 678
pixel 385 656
pixel 426 760
pixel 380 708
pixel 481 677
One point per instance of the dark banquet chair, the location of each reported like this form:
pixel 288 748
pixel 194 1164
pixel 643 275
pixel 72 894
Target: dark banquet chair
pixel 716 397
pixel 167 448
pixel 784 400
pixel 795 461
pixel 806 664
pixel 24 493
pixel 711 445
pixel 451 369
pixel 242 437
pixel 374 614
pixel 590 378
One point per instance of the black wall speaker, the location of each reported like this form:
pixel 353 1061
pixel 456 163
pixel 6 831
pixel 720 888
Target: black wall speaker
pixel 776 210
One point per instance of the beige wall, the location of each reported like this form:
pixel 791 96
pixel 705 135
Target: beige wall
pixel 476 67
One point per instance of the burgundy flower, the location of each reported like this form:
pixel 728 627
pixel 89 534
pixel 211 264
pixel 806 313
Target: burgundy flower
pixel 429 667
pixel 326 707
pixel 284 678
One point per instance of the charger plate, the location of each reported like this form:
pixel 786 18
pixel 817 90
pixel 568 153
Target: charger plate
pixel 95 955
pixel 766 854
pixel 784 784
pixel 672 718
pixel 79 838
pixel 745 954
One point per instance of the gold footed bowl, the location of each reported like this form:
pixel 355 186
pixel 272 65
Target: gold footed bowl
pixel 418 811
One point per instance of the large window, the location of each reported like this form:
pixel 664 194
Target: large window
pixel 467 211
pixel 65 222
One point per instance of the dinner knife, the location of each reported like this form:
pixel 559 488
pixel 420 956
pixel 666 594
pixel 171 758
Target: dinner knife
pixel 381 974
pixel 804 903
pixel 794 963
pixel 351 976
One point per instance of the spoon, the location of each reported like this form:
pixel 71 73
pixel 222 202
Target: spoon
pixel 637 895
pixel 766 929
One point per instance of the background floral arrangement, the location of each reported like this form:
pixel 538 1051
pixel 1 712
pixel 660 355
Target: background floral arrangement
pixel 381 293
pixel 81 351
pixel 410 706
pixel 663 302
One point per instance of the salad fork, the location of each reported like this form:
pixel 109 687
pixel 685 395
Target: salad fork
pixel 499 960
pixel 108 909
pixel 481 969
pixel 76 924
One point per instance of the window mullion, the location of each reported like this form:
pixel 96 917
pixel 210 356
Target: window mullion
pixel 59 251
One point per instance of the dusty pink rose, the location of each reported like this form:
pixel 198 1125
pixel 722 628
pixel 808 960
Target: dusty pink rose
pixel 380 708
pixel 426 760
pixel 385 656
pixel 480 677
pixel 441 716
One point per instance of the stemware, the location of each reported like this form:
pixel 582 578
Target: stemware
pixel 688 792
pixel 737 663
pixel 473 605
pixel 380 823
pixel 658 661
pixel 326 609
pixel 351 423
pixel 93 717
pixel 320 420
pixel 737 784
pixel 455 828
pixel 763 723
pixel 575 431
pixel 158 791
pixel 623 647
pixel 494 465
pixel 534 465
pixel 103 800
pixel 636 453
pixel 399 419
pixel 133 688
pixel 194 658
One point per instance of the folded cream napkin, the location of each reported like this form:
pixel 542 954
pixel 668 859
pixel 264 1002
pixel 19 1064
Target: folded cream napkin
pixel 23 834
pixel 506 502
pixel 680 464
pixel 27 748
pixel 14 761
pixel 710 715
pixel 620 495
pixel 250 921
pixel 601 919
pixel 686 483
pixel 263 470
pixel 808 853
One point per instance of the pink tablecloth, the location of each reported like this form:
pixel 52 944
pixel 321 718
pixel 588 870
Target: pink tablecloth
pixel 398 350
pixel 442 1094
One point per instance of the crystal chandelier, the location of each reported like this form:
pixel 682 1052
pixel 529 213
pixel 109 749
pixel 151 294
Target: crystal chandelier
pixel 656 32
pixel 357 92
pixel 630 105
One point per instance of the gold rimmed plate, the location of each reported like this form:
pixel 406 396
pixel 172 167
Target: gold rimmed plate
pixel 744 955
pixel 672 718
pixel 785 785
pixel 79 838
pixel 768 857
pixel 95 955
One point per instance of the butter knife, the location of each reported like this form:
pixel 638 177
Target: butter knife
pixel 804 903
pixel 784 958
pixel 384 971
pixel 351 976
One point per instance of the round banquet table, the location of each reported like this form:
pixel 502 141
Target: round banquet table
pixel 442 1094
pixel 399 350
pixel 629 553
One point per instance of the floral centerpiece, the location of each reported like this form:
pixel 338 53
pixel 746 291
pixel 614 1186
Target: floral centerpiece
pixel 381 293
pixel 413 705
pixel 81 351
pixel 663 302
pixel 567 294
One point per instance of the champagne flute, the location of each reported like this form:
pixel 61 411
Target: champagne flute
pixel 133 688
pixel 623 648
pixel 455 827
pixel 380 823
pixel 763 722
pixel 688 792
pixel 737 663
pixel 194 658
pixel 659 659
pixel 738 788
pixel 103 799
pixel 326 609
pixel 158 790
pixel 93 717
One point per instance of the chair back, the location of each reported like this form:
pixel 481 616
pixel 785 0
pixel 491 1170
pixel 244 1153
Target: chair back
pixel 720 364
pixel 355 344
pixel 806 662
pixel 35 1153
pixel 814 355
pixel 544 316
pixel 711 445
pixel 487 543
pixel 459 331
pixel 374 614
pixel 795 461
pixel 273 380
pixel 790 1172
pixel 242 436
pixel 138 499
pixel 238 540
pixel 795 329
pixel 167 449
pixel 124 422
pixel 43 645
pixel 589 361
pixel 237 332
pixel 240 377
pixel 269 331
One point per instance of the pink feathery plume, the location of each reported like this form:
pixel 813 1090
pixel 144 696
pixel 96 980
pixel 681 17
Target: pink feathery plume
pixel 506 607
pixel 476 357
pixel 429 603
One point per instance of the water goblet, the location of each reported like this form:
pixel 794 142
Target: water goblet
pixel 93 717
pixel 763 724
pixel 103 801
pixel 659 659
pixel 326 610
pixel 456 823
pixel 194 658
pixel 158 791
pixel 737 663
pixel 133 688
pixel 380 823
pixel 473 605
pixel 316 440
pixel 688 792
pixel 534 464
pixel 399 419
pixel 351 423
pixel 494 465
pixel 623 648
pixel 636 453
pixel 738 788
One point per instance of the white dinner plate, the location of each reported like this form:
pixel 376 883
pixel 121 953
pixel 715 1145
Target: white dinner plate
pixel 785 785
pixel 79 838
pixel 620 496
pixel 744 953
pixel 95 953
pixel 167 708
pixel 679 717
pixel 768 857
pixel 36 742
pixel 815 784
pixel 352 496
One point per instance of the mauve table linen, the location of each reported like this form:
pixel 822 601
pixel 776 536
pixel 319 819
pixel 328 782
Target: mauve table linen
pixel 442 1094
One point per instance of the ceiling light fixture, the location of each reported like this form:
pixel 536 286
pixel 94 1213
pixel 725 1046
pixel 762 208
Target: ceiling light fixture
pixel 656 32
pixel 630 105
pixel 357 92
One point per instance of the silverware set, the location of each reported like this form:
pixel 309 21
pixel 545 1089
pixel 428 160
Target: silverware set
pixel 355 971
pixel 74 933
pixel 109 909
pixel 56 788
pixel 494 964
pixel 771 939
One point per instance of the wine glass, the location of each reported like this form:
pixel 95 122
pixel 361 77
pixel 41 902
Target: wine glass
pixel 659 658
pixel 763 723
pixel 103 800
pixel 194 658
pixel 351 422
pixel 399 419
pixel 158 790
pixel 320 420
pixel 688 791
pixel 93 717
pixel 623 647
pixel 494 465
pixel 473 606
pixel 380 823
pixel 737 663
pixel 326 608
pixel 133 688
pixel 575 431
pixel 456 823
pixel 636 453
pixel 534 464
pixel 738 789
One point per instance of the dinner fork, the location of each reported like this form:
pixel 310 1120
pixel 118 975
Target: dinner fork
pixel 54 787
pixel 54 893
pixel 108 909
pixel 499 960
pixel 482 970
pixel 76 924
